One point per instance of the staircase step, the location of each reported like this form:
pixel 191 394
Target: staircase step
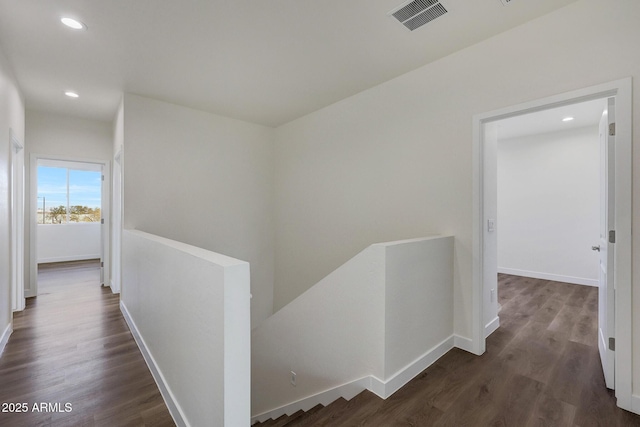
pixel 290 418
pixel 307 417
pixel 271 422
pixel 278 422
pixel 319 417
pixel 341 410
pixel 287 420
pixel 355 410
pixel 360 406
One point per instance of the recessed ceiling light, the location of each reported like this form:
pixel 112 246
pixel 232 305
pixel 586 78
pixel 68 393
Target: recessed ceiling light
pixel 567 119
pixel 71 94
pixel 73 23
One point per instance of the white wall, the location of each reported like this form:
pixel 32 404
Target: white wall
pixel 11 119
pixel 375 322
pixel 188 309
pixel 68 242
pixel 549 205
pixel 205 180
pixel 395 161
pixel 418 299
pixel 62 136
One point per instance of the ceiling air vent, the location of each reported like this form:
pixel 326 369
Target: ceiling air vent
pixel 416 13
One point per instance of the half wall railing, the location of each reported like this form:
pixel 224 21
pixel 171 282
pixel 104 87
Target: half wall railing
pixel 188 309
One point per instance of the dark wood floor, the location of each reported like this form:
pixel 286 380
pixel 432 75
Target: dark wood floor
pixel 71 345
pixel 541 368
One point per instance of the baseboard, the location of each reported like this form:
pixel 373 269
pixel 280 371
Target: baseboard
pixel 463 343
pixel 68 258
pixel 635 404
pixel 491 326
pixel 113 287
pixel 549 276
pixel 347 391
pixel 383 389
pixel 174 408
pixel 4 338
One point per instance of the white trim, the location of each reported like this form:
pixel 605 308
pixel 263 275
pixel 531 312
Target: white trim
pixel 635 403
pixel 17 222
pixel 174 408
pixel 491 326
pixel 623 246
pixel 621 89
pixel 609 379
pixel 68 258
pixel 382 389
pixel 105 232
pixel 60 163
pixel 478 344
pixel 17 144
pixel 549 276
pixel 463 343
pixel 117 206
pixel 5 337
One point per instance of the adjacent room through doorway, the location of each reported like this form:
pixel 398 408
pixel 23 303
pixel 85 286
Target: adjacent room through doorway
pixel 603 217
pixel 69 220
pixel 548 182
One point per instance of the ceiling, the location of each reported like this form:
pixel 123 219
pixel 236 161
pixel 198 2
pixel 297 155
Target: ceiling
pixel 584 114
pixel 267 62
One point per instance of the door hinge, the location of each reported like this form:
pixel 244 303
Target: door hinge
pixel 101 263
pixel 612 129
pixel 103 177
pixel 102 221
pixel 612 236
pixel 612 344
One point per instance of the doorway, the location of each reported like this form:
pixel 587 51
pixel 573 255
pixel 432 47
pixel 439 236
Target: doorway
pixel 69 214
pixel 485 214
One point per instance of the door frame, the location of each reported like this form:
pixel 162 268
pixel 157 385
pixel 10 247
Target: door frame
pixel 17 223
pixel 105 210
pixel 606 249
pixel 116 236
pixel 621 90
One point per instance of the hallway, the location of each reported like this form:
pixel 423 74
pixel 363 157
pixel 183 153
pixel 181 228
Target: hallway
pixel 71 350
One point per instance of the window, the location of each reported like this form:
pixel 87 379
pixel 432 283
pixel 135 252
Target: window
pixel 68 192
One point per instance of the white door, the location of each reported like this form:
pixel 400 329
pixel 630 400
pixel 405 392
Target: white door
pixel 606 291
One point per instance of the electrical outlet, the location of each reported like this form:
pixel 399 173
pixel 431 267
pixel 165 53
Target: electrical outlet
pixel 293 378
